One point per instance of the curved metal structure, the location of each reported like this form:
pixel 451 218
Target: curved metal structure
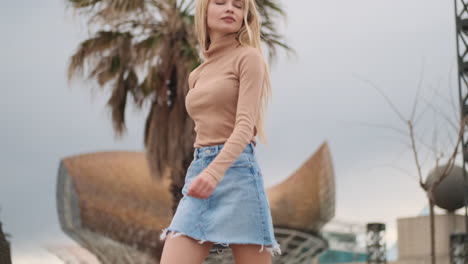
pixel 306 199
pixel 109 204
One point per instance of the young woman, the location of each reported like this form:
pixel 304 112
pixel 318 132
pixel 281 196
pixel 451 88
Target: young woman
pixel 224 200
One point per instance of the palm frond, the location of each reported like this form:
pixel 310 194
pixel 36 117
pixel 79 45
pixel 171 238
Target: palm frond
pixel 93 49
pixel 270 7
pixel 118 6
pixel 83 3
pixel 117 103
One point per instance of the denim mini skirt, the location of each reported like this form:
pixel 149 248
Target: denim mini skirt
pixel 236 212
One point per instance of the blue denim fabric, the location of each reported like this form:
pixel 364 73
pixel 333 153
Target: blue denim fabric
pixel 237 211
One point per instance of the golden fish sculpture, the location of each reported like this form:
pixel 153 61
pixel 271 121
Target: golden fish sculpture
pixel 109 204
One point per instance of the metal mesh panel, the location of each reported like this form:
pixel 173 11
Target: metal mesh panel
pixel 297 248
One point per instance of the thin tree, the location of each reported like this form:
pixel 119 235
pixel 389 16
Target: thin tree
pixel 5 251
pixel 410 123
pixel 146 49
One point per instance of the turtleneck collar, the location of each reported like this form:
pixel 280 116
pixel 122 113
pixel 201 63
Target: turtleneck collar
pixel 221 45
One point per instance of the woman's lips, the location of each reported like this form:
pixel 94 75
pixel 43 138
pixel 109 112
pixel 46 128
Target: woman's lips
pixel 229 20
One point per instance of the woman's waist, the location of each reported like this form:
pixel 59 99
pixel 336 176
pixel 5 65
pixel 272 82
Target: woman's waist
pixel 213 150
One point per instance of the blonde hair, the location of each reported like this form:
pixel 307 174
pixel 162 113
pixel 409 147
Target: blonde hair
pixel 248 35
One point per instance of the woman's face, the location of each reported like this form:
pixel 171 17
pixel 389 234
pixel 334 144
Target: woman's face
pixel 218 13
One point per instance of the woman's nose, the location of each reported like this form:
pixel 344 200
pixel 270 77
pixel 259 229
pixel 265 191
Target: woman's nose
pixel 229 6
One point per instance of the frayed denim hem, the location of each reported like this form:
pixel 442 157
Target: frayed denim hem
pixel 274 250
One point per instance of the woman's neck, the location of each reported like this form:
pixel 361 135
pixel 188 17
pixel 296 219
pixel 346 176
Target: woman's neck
pixel 221 45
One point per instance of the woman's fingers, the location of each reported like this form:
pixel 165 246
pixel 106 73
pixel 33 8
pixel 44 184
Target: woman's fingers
pixel 193 189
pixel 200 188
pixel 206 191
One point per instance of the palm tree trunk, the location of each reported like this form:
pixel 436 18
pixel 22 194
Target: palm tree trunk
pixel 176 190
pixel 5 257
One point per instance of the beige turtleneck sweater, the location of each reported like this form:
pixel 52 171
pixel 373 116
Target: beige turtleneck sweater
pixel 224 98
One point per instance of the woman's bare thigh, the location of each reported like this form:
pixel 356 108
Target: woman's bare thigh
pixel 184 249
pixel 248 254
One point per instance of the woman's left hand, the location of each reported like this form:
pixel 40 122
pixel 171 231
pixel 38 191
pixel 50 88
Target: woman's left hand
pixel 202 185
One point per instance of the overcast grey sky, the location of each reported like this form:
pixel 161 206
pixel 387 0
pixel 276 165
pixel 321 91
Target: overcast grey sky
pixel 318 95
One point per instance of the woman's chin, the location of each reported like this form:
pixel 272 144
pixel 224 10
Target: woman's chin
pixel 227 29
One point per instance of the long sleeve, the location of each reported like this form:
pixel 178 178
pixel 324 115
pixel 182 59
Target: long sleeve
pixel 251 75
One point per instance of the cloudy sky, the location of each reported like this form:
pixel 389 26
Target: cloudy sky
pixel 325 93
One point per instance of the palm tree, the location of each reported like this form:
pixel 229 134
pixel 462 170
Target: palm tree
pixel 147 48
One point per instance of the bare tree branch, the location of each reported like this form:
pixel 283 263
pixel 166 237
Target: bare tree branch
pixel 398 113
pixel 418 91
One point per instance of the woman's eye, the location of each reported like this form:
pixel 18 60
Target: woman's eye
pixel 221 3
